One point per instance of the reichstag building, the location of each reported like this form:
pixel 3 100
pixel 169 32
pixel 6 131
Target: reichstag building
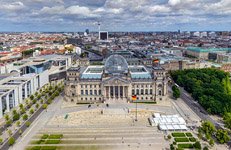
pixel 116 81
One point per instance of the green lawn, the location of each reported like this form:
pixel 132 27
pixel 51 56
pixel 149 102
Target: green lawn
pixel 192 139
pixel 189 134
pixel 185 146
pixel 178 134
pixel 181 139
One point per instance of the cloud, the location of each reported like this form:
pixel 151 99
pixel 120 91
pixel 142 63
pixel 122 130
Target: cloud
pixel 14 6
pixel 116 14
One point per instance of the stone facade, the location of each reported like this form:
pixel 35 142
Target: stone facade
pixel 115 87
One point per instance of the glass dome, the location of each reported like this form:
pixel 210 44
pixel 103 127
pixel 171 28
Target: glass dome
pixel 116 64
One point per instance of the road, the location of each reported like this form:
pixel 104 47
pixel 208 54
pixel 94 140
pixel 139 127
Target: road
pixel 197 108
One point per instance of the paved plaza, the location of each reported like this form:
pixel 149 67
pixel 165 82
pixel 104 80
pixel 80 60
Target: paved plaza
pixel 101 127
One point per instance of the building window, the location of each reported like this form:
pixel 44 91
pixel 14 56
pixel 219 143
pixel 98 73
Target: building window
pixel 82 93
pixel 99 92
pixel 86 92
pixel 72 86
pixel 85 86
pixel 142 91
pixel 137 92
pixel 137 86
pixel 90 98
pixel 81 99
pixel 90 86
pixel 90 92
pixel 81 86
pixel 73 94
pixel 133 92
pixel 95 92
pixel 160 93
pixel 85 98
pixel 95 98
pixel 146 91
pixel 150 91
pixel 95 86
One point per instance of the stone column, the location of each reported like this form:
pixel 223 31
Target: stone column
pixel 25 89
pixel 114 92
pixel 1 112
pixel 124 94
pixel 7 103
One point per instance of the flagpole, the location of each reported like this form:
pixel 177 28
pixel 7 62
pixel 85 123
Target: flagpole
pixel 136 112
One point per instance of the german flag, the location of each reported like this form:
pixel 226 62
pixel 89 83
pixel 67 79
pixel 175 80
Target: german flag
pixel 156 60
pixel 134 97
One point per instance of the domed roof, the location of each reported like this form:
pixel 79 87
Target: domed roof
pixel 116 64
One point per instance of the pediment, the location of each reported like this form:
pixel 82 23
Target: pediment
pixel 116 81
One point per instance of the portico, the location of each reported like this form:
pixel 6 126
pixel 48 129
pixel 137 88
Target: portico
pixel 116 92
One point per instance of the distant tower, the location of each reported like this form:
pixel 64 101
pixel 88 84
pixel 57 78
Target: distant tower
pixel 99 29
pixel 87 31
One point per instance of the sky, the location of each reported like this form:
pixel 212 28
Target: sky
pixel 115 15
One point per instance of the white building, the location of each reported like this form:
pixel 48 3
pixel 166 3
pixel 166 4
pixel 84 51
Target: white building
pixel 13 90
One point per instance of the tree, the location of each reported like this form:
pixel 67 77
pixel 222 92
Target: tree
pixel 172 147
pixel 208 127
pixel 22 111
pixel 9 122
pixel 18 123
pixel 205 148
pixel 44 106
pixel 31 111
pixel 176 91
pixel 6 117
pixel 21 106
pixel 20 132
pixel 37 105
pixel 210 87
pixel 32 97
pixel 16 116
pixel 197 145
pixel 11 141
pixel 227 120
pixel 1 140
pixel 28 123
pixel 9 132
pixel 211 142
pixel 222 136
pixel 25 117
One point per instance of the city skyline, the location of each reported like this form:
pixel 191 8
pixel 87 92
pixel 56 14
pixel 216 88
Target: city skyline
pixel 118 15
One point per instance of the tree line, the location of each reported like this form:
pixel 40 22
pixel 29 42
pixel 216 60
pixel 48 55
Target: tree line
pixel 210 87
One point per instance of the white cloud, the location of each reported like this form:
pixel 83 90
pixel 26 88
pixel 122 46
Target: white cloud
pixel 12 6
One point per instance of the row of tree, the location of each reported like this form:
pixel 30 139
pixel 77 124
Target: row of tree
pixel 210 87
pixel 208 130
pixel 176 91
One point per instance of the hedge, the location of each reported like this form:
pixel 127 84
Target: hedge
pixel 178 134
pixel 185 146
pixel 189 134
pixel 181 139
pixel 55 136
pixel 45 136
pixel 48 148
pixel 192 139
pixel 52 142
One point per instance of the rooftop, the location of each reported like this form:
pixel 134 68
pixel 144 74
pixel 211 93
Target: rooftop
pixel 206 50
